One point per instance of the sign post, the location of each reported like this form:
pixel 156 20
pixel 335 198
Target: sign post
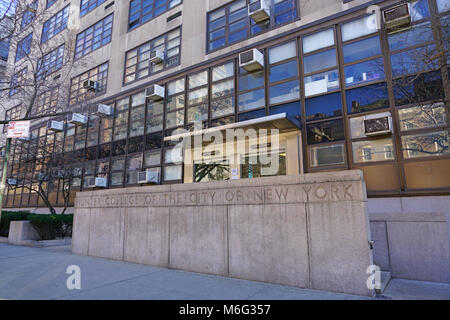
pixel 16 129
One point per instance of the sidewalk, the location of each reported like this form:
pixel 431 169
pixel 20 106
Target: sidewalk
pixel 40 273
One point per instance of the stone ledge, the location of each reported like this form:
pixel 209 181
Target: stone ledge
pixel 408 216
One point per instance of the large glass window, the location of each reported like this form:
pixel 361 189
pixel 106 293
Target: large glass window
pixel 155 115
pixel 18 80
pixel 55 24
pixel 89 5
pixel 414 61
pixel 142 11
pixel 175 104
pixel 47 101
pixel 137 115
pixel 121 119
pixel 367 98
pixel 230 24
pixel 29 14
pixel 422 117
pixel 327 155
pixel 362 49
pixel 373 150
pixel 426 145
pixel 359 28
pixel 24 47
pixel 318 41
pixel 94 37
pixel 137 61
pixel 50 63
pixel 418 88
pixel 222 96
pixel 198 97
pixel 99 75
pixel 325 131
pixel 324 107
pixel 418 34
pixel 322 83
pixel 364 72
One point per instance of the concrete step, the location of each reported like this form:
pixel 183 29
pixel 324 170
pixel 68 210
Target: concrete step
pixel 385 278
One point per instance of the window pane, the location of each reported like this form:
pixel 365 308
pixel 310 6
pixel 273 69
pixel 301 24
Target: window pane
pixel 364 72
pixel 424 116
pixel 359 28
pixel 373 150
pixel 223 71
pixel 282 52
pixel 324 107
pixel 416 35
pixel 425 145
pixel 284 92
pixel 176 86
pixel 251 100
pixel 414 61
pixel 318 41
pixel 319 61
pixel 419 10
pixel 362 49
pixel 283 71
pixel 443 5
pixel 292 110
pixel 321 83
pixel 424 87
pixel 172 173
pixel 251 81
pixel 367 98
pixel 324 156
pixel 199 79
pixel 327 131
pixel 222 107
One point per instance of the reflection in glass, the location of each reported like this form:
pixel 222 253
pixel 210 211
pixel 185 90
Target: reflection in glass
pixel 324 107
pixel 328 155
pixel 373 150
pixel 425 145
pixel 423 116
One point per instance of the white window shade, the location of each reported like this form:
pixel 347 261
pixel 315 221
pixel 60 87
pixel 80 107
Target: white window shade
pixel 359 28
pixel 282 52
pixel 318 41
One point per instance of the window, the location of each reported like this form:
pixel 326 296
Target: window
pixel 92 133
pixel 359 28
pixel 18 80
pixel 12 114
pixel 55 24
pixel 322 83
pixel 198 97
pixel 70 137
pixel 80 136
pixel 319 61
pixel 222 103
pixel 89 5
pixel 419 10
pixel 137 61
pixel 94 37
pixel 121 119
pixel 251 90
pixel 29 14
pixel 50 3
pixel 50 63
pixel 422 116
pixel 106 125
pixel 414 61
pixel 373 150
pixel 283 76
pixel 142 11
pixel 24 47
pixel 326 156
pixel 174 108
pixel 443 5
pixel 325 131
pixel 420 88
pixel 318 41
pixel 426 145
pixel 99 75
pixel 364 72
pixel 367 98
pixel 137 115
pixel 362 49
pixel 47 101
pixel 324 107
pixel 231 24
pixel 421 33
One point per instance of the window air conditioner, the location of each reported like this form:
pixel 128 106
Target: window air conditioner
pixel 376 125
pixel 56 126
pixel 97 182
pixel 155 92
pixel 148 176
pixel 397 18
pixel 259 10
pixel 90 85
pixel 157 56
pixel 251 60
pixel 77 118
pixel 103 109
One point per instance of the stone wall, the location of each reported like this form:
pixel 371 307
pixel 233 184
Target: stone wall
pixel 308 231
pixel 411 236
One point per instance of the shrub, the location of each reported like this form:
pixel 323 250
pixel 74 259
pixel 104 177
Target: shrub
pixel 7 217
pixel 51 226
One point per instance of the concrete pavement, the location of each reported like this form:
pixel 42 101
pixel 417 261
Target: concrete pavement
pixel 40 273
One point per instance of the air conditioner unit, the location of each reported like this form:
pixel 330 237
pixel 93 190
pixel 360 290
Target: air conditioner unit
pixel 12 182
pixel 155 92
pixel 157 56
pixel 376 125
pixel 90 85
pixel 251 60
pixel 259 10
pixel 397 18
pixel 56 126
pixel 103 109
pixel 77 118
pixel 97 182
pixel 148 176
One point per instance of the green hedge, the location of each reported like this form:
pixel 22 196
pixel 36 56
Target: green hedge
pixel 7 217
pixel 48 226
pixel 52 226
